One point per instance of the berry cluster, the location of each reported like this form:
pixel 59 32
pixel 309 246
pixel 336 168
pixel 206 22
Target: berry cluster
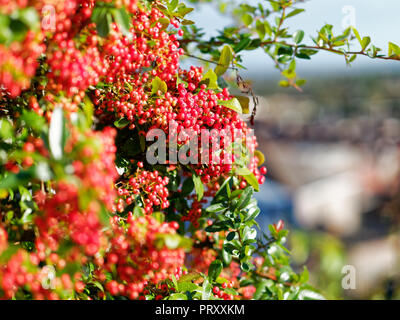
pixel 22 273
pixel 63 215
pixel 18 63
pixel 150 186
pixel 63 219
pixel 221 294
pixel 8 6
pixel 73 70
pixel 87 215
pixel 95 167
pixel 140 256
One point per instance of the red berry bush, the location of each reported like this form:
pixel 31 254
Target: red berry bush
pixel 84 213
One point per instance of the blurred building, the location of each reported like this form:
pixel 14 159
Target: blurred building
pixel 333 155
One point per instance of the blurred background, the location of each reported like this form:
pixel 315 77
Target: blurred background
pixel 332 151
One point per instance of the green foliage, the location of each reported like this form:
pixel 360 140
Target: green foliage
pixel 263 26
pixel 14 27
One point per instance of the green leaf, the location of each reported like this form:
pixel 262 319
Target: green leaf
pixel 164 22
pixel 260 28
pixel 224 60
pixel 260 288
pixel 187 187
pixel 292 66
pixel 215 208
pixel 211 78
pixel 230 291
pixel 247 19
pixel 187 22
pixel 30 17
pixel 365 42
pixel 267 27
pixel 252 180
pixel 215 269
pixel 244 103
pixel 242 171
pixel 243 44
pixel 192 276
pixel 198 186
pixel 232 104
pixel 353 57
pixel 310 295
pixel 122 18
pixel 183 11
pixel 301 82
pixel 18 28
pixel 57 133
pixel 285 50
pixel 284 83
pixel 261 158
pixel 303 56
pixel 97 14
pixel 159 216
pixel 138 212
pixel 173 5
pixel 249 177
pixel 245 198
pixel 88 109
pixel 245 267
pixel 294 13
pixel 8 253
pixel 6 129
pixel 249 233
pixel 121 123
pixel 178 296
pixel 298 36
pixel 103 18
pixel 33 120
pixel 187 286
pixel 357 35
pixel 308 52
pixel 206 290
pixel 174 281
pixel 12 181
pixel 304 275
pixel 231 235
pixel 173 241
pixel 393 49
pixel 226 257
pixel 158 85
pixel 252 214
pixel 224 187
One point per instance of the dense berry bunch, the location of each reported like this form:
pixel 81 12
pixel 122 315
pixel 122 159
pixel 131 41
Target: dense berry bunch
pixel 150 186
pixel 8 6
pixel 90 216
pixel 140 255
pixel 22 274
pixel 18 63
pixel 63 220
pixel 148 45
pixel 15 275
pixel 73 70
pixel 94 164
pixel 63 216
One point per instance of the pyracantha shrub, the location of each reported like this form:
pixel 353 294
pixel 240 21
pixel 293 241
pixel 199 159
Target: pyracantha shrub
pixel 84 211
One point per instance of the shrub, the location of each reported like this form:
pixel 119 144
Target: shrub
pixel 84 213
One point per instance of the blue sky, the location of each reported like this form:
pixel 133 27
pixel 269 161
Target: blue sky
pixel 377 19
